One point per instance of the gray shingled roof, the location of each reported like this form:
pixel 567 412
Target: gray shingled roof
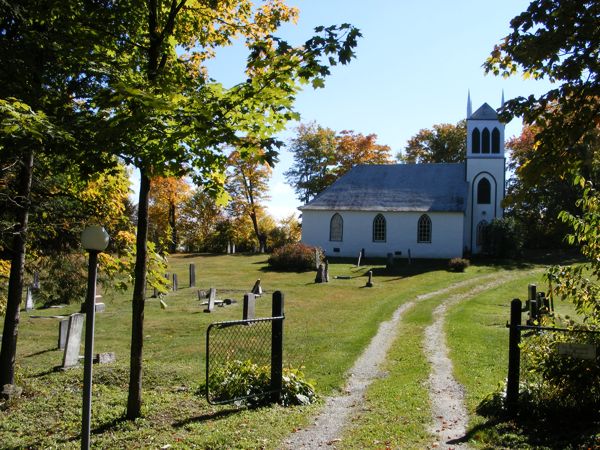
pixel 485 112
pixel 396 187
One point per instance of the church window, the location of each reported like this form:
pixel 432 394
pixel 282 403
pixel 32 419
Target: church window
pixel 495 140
pixel 336 228
pixel 481 232
pixel 379 228
pixel 424 229
pixel 484 192
pixel 485 141
pixel 476 141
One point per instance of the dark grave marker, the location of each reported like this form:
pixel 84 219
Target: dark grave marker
pixel 249 307
pixel 192 271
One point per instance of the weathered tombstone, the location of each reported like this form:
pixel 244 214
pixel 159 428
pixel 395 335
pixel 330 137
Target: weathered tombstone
pixel 359 258
pixel 317 259
pixel 175 284
pixel 192 271
pixel 212 296
pixel 249 307
pixel 370 280
pixel 257 288
pixel 326 272
pixel 202 294
pixel 390 261
pixel 29 300
pixel 105 358
pixel 75 328
pixel 63 327
pixel 233 247
pixel 320 278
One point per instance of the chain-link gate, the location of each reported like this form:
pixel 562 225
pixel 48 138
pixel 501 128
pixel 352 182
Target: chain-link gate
pixel 256 341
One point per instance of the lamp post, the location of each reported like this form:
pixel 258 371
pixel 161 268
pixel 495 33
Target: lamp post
pixel 94 239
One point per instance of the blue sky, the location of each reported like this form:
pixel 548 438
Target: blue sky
pixel 414 66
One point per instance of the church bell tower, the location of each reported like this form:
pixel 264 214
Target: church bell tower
pixel 485 172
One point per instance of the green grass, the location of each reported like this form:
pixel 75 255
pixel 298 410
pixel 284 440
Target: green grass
pixel 327 326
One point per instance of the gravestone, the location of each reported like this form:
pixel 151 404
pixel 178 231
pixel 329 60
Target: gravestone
pixel 370 280
pixel 105 358
pixel 212 296
pixel 359 258
pixel 29 299
pixel 63 327
pixel 73 344
pixel 317 259
pixel 192 271
pixel 175 284
pixel 320 278
pixel 233 248
pixel 257 288
pixel 202 294
pixel 249 307
pixel 390 261
pixel 326 272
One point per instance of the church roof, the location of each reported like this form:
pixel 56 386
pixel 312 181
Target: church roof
pixel 396 187
pixel 485 112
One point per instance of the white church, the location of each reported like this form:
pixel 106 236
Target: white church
pixel 421 210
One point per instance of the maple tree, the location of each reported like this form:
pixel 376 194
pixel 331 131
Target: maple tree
pixel 355 148
pixel 444 143
pixel 165 197
pixel 557 40
pixel 165 116
pixel 321 156
pixel 248 187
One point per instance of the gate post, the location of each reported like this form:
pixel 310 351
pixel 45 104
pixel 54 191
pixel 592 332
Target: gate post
pixel 277 347
pixel 514 356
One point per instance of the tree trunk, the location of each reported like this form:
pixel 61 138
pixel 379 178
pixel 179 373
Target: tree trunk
pixel 17 269
pixel 173 245
pixel 134 400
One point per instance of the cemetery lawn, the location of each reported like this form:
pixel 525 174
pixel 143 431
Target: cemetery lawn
pixel 326 328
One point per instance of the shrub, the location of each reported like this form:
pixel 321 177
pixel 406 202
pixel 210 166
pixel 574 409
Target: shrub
pixel 245 379
pixel 295 257
pixel 503 238
pixel 560 382
pixel 458 264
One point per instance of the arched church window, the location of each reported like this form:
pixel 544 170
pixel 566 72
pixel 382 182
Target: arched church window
pixel 476 141
pixel 484 192
pixel 336 228
pixel 495 140
pixel 485 141
pixel 379 228
pixel 481 232
pixel 424 229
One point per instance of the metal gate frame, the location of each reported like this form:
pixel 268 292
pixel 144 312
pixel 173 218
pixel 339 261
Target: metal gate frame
pixel 274 391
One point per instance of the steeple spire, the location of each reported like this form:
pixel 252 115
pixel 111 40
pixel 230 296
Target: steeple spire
pixel 469 106
pixel 502 101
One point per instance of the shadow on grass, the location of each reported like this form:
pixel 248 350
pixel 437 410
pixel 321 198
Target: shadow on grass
pixel 534 426
pixel 41 352
pixel 205 417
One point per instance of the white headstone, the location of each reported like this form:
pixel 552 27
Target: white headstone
pixel 29 299
pixel 71 356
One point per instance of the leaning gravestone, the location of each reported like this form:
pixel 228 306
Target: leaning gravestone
pixel 212 296
pixel 249 307
pixel 257 288
pixel 63 328
pixel 71 355
pixel 29 305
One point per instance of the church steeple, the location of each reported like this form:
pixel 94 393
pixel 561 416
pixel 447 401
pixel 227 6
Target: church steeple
pixel 469 106
pixel 502 101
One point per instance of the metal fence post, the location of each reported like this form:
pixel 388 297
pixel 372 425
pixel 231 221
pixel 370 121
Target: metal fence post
pixel 514 356
pixel 277 347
